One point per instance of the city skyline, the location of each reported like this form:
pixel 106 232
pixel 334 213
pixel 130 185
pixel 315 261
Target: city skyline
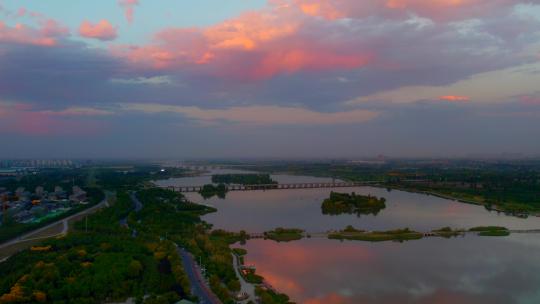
pixel 277 78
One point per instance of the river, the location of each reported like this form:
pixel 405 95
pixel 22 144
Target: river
pixel 467 269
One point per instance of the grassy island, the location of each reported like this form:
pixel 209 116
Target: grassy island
pixel 243 179
pixel 491 231
pixel 447 232
pixel 210 190
pixel 351 233
pixel 339 203
pixel 284 234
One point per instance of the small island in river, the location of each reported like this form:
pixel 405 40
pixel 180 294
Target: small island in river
pixel 491 231
pixel 339 203
pixel 351 233
pixel 284 234
pixel 211 190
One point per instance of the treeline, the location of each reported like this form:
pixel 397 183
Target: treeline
pixel 339 203
pixel 48 179
pixel 243 179
pixel 510 186
pixel 130 178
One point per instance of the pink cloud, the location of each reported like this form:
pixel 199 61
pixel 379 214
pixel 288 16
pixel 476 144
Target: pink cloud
pixel 439 10
pixel 103 30
pixel 48 32
pixel 280 39
pixel 453 98
pixel 255 45
pixel 51 28
pixel 322 8
pixel 129 8
pixel 26 35
pixel 21 12
pixel 23 119
pixel 530 100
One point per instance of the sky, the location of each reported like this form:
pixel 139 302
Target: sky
pixel 269 78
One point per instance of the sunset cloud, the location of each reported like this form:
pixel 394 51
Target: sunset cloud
pixel 255 45
pixel 530 100
pixel 129 8
pixel 453 98
pixel 24 119
pixel 103 30
pixel 292 63
pixel 48 34
pixel 439 10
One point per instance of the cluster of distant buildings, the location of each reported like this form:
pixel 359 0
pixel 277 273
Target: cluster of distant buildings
pixel 12 168
pixel 36 163
pixel 23 206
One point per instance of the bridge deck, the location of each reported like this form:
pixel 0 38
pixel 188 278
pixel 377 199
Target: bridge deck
pixel 275 186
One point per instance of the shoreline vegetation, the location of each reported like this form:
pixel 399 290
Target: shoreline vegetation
pixel 243 179
pixel 339 203
pixel 510 187
pixel 522 211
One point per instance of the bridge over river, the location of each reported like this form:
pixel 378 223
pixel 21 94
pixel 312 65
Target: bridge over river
pixel 185 189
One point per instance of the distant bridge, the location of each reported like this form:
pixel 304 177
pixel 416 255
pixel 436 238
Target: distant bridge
pixel 185 189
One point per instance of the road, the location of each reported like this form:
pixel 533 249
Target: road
pixel 198 285
pixel 28 236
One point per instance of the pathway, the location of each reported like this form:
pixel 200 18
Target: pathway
pixel 246 287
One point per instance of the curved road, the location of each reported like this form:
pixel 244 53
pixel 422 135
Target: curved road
pixel 198 285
